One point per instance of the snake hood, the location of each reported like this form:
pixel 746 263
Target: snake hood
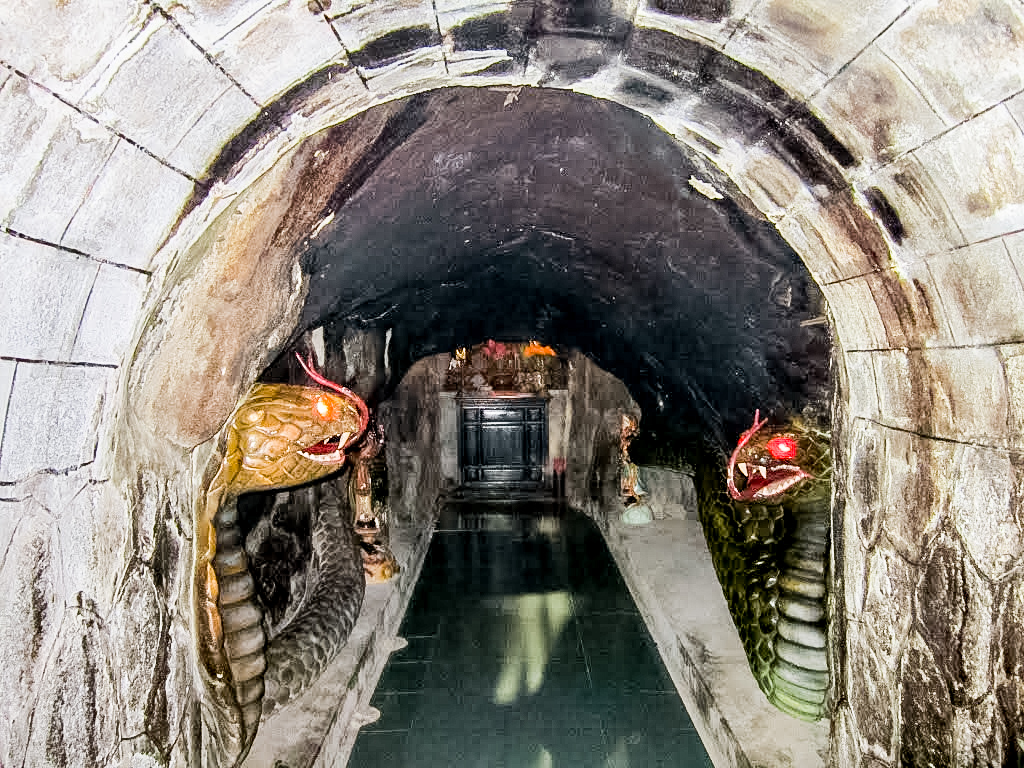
pixel 766 464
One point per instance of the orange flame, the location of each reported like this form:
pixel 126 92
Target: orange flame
pixel 534 348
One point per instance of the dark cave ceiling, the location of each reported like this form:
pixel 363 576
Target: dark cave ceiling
pixel 483 213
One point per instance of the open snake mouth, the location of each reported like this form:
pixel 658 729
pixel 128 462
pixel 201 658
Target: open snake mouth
pixel 769 475
pixel 330 450
pixel 757 481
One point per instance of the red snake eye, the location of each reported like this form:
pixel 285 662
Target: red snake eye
pixel 324 408
pixel 782 448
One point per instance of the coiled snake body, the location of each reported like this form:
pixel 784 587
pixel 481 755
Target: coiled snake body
pixel 281 435
pixel 767 532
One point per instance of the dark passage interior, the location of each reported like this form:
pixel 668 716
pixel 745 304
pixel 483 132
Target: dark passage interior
pixel 525 650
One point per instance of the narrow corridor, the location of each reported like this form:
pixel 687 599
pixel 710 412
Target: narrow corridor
pixel 525 650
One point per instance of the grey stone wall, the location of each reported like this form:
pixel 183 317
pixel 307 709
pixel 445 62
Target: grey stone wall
pixel 113 112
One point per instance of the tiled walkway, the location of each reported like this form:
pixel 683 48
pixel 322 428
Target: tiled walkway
pixel 525 651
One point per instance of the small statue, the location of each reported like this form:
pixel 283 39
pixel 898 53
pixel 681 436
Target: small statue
pixel 370 511
pixel 637 511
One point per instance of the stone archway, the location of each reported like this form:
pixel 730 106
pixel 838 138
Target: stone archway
pixel 910 231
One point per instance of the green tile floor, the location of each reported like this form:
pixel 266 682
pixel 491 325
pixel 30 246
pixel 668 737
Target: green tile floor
pixel 525 651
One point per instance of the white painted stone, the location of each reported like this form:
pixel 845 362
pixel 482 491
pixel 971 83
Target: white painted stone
pixel 717 33
pixel 52 418
pixel 58 44
pixel 1015 248
pixel 981 510
pixel 827 34
pixel 207 21
pixel 861 396
pixel 981 293
pixel 359 23
pixel 215 127
pixel 62 180
pixel 278 48
pixel 858 322
pixel 93 529
pixel 128 228
pixel 31 613
pixel 980 167
pixel 928 324
pixel 968 394
pixel 761 48
pixel 420 71
pixel 156 89
pixel 7 368
pixel 918 197
pixel 110 315
pixel 1012 356
pixel 963 56
pixel 43 159
pixel 42 296
pixel 875 110
pixel 894 381
pixel 771 184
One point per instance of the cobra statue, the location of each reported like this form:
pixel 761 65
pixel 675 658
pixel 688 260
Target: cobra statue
pixel 767 532
pixel 280 435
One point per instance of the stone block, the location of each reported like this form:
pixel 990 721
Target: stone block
pixel 128 229
pixel 713 20
pixel 871 691
pixel 912 286
pixel 56 187
pixel 918 199
pixel 31 612
pixel 137 628
pixel 7 368
pixel 376 34
pixel 1015 248
pixel 762 48
pixel 963 57
pixel 876 109
pixel 888 603
pixel 93 529
pixel 981 292
pixel 60 45
pixel 968 393
pixel 827 36
pixel 915 493
pixel 954 617
pixel 898 398
pixel 858 322
pixel 773 186
pixel 982 512
pixel 156 88
pixel 50 154
pixel 926 710
pixel 52 417
pixel 422 70
pixel 980 168
pixel 1012 356
pixel 42 296
pixel 207 21
pixel 219 123
pixel 861 397
pixel 278 48
pixel 110 315
pixel 76 719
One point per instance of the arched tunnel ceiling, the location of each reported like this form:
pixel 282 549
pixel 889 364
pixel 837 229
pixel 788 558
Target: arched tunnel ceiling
pixel 477 214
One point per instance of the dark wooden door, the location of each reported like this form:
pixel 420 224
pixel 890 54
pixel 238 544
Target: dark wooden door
pixel 503 442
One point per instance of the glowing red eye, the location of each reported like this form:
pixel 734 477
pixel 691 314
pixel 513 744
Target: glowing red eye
pixel 324 408
pixel 782 448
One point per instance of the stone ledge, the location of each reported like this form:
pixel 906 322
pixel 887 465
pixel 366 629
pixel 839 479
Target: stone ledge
pixel 319 728
pixel 669 572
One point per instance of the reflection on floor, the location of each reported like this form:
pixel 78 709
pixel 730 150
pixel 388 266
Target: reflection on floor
pixel 525 651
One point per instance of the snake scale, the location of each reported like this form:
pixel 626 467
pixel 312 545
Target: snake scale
pixel 279 436
pixel 767 531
